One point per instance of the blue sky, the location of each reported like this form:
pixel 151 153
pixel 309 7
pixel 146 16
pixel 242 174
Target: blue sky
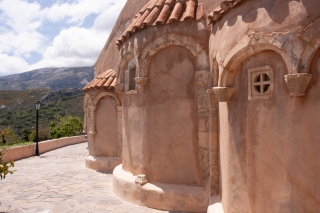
pixel 53 33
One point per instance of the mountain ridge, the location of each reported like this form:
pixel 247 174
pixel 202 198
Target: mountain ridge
pixel 50 78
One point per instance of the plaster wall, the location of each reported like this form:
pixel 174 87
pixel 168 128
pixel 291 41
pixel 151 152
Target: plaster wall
pixel 160 128
pixel 269 147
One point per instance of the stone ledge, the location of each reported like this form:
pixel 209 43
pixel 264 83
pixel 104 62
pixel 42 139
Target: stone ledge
pixel 159 195
pixel 102 164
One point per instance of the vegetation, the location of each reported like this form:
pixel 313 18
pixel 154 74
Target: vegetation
pixel 17 111
pixel 9 138
pixel 5 167
pixel 66 126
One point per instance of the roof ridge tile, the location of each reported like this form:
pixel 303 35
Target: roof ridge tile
pixel 224 7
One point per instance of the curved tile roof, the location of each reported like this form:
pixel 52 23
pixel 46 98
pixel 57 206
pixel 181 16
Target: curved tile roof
pixel 157 12
pixel 106 80
pixel 224 7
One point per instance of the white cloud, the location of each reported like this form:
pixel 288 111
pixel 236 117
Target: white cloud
pixel 21 43
pixel 73 47
pixel 77 11
pixel 20 15
pixel 11 64
pixel 106 20
pixel 78 46
pixel 20 35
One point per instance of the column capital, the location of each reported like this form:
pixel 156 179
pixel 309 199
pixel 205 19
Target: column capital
pixel 297 83
pixel 142 81
pixel 220 94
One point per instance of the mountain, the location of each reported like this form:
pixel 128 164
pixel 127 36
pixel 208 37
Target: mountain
pixel 50 78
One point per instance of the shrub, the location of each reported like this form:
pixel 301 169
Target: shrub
pixel 8 136
pixel 66 126
pixel 5 167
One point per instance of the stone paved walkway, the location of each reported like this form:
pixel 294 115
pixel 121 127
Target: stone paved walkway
pixel 58 182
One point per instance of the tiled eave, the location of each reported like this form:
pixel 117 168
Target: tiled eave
pixel 106 80
pixel 160 12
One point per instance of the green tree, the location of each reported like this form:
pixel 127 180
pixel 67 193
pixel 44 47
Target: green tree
pixel 66 126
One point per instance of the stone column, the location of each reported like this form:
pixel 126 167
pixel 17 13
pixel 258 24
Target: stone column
pixel 214 147
pixel 202 78
pixel 92 111
pixel 120 116
pixel 85 109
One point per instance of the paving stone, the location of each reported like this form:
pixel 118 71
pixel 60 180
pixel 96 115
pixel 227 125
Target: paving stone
pixel 58 182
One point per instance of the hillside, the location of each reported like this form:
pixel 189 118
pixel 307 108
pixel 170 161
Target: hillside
pixel 17 107
pixel 50 78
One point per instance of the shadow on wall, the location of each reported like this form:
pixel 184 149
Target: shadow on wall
pixel 277 10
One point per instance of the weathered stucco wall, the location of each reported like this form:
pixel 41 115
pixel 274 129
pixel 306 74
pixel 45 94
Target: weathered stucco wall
pixel 269 147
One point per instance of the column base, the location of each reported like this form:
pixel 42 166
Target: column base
pixel 102 164
pixel 215 205
pixel 160 196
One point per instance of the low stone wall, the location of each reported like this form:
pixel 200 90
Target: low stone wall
pixel 21 152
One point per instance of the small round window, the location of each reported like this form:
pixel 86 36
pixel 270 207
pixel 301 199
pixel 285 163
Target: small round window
pixel 262 83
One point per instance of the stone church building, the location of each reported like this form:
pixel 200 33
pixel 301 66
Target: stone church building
pixel 210 106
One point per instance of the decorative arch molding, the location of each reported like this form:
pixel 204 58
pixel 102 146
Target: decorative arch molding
pixel 124 58
pixel 242 51
pixel 101 95
pixel 308 54
pixel 173 39
pixel 87 101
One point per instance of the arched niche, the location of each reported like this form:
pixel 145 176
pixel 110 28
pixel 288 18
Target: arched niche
pixel 164 128
pixel 104 137
pixel 125 61
pixel 239 53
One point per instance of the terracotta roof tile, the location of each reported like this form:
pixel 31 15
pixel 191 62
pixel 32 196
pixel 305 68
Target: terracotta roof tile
pixel 224 7
pixel 157 12
pixel 106 80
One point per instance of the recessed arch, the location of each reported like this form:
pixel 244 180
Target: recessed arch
pixel 200 54
pixel 123 60
pixel 101 95
pixel 239 53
